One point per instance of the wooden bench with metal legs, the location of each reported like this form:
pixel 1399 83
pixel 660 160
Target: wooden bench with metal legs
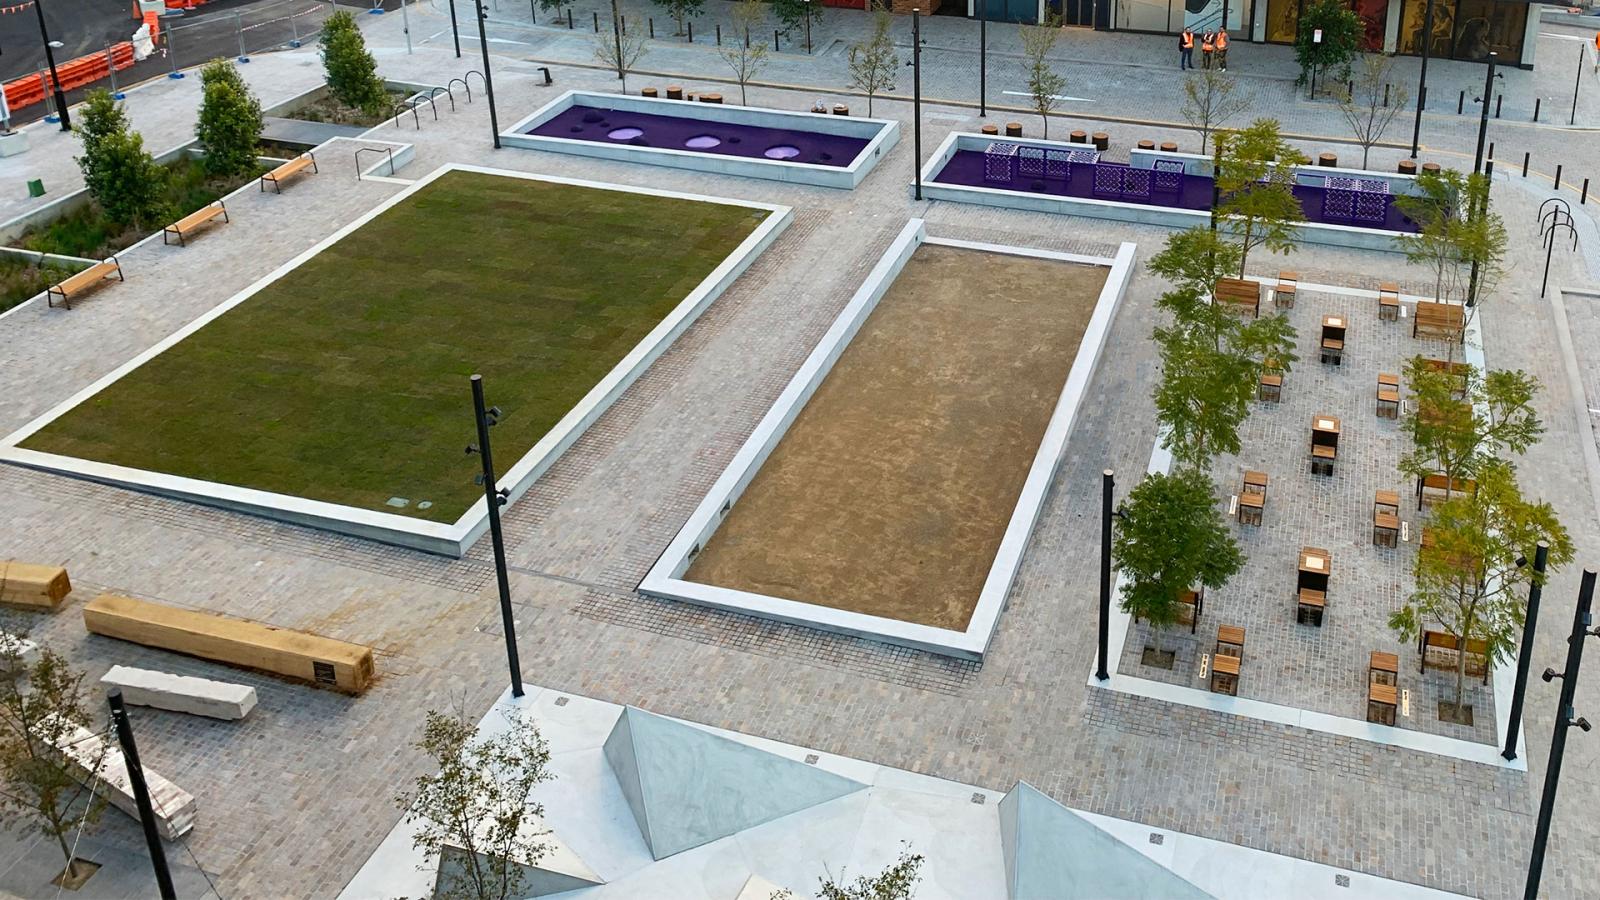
pixel 83 282
pixel 193 221
pixel 293 167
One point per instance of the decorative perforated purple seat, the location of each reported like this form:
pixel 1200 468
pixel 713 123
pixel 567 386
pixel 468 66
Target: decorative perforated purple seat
pixel 1168 176
pixel 1000 162
pixel 1371 207
pixel 1136 184
pixel 1058 164
pixel 1030 162
pixel 1339 205
pixel 1107 181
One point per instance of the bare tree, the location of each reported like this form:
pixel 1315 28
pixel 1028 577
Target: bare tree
pixel 744 56
pixel 621 49
pixel 1045 84
pixel 1369 104
pixel 874 62
pixel 1210 98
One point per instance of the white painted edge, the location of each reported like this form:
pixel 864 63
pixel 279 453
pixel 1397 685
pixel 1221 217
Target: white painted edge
pixel 436 537
pixel 1503 676
pixel 885 133
pixel 664 578
pixel 1580 403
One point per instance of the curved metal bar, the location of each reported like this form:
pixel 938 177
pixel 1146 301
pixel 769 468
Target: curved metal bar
pixel 434 92
pixel 399 110
pixel 464 84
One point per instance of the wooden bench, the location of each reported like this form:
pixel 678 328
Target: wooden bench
pixel 289 169
pixel 1239 294
pixel 1226 659
pixel 1435 319
pixel 293 654
pixel 83 282
pixel 33 586
pixel 1436 487
pixel 1440 651
pixel 1383 677
pixel 193 221
pixel 1252 498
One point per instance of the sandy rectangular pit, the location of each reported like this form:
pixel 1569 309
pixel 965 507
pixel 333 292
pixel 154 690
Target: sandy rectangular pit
pixel 891 491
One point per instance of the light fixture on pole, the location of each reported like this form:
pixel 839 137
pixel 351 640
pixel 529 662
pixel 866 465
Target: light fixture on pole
pixel 983 58
pixel 1473 211
pixel 494 498
pixel 1530 624
pixel 50 59
pixel 1422 79
pixel 141 794
pixel 455 30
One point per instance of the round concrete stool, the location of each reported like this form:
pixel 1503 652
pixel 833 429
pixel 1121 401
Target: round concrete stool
pixel 1408 167
pixel 710 98
pixel 1013 129
pixel 1328 160
pixel 1079 137
pixel 1101 141
pixel 1431 168
pixel 1147 145
pixel 991 129
pixel 839 109
pixel 1169 146
pixel 674 92
pixel 649 92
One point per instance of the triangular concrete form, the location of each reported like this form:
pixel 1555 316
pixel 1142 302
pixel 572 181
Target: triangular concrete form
pixel 556 870
pixel 1052 853
pixel 758 888
pixel 689 787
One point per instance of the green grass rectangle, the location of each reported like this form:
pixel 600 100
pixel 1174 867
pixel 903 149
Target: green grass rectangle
pixel 345 380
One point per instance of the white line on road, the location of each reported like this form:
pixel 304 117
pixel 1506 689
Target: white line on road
pixel 1056 96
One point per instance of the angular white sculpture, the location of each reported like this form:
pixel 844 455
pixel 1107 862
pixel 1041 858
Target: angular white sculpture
pixel 101 759
pixel 23 649
pixel 182 693
pixel 557 870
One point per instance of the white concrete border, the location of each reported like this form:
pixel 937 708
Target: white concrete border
pixel 1469 751
pixel 665 577
pixel 880 135
pixel 453 538
pixel 1136 213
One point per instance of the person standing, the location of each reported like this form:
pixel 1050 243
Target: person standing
pixel 1222 49
pixel 1597 51
pixel 1208 45
pixel 1186 49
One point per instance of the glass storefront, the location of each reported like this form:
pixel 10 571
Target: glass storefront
pixel 1283 20
pixel 1465 29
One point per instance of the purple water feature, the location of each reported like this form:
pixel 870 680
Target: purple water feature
pixel 615 126
pixel 966 168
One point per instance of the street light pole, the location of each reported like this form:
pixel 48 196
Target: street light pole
pixel 50 59
pixel 455 30
pixel 1422 83
pixel 1107 483
pixel 1576 83
pixel 916 94
pixel 1558 740
pixel 983 58
pixel 1477 167
pixel 488 79
pixel 141 794
pixel 1530 624
pixel 494 498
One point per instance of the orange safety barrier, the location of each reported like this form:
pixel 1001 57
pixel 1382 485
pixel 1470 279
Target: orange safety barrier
pixel 184 4
pixel 30 89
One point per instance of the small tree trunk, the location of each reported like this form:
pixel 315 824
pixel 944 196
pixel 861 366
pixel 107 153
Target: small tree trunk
pixel 66 852
pixel 1461 672
pixel 1366 149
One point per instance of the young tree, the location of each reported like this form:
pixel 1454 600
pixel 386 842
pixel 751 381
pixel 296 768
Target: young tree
pixel 1170 538
pixel 1342 32
pixel 41 708
pixel 681 11
pixel 1456 228
pixel 1045 84
pixel 619 49
pixel 352 72
pixel 479 801
pixel 1368 104
pixel 1255 177
pixel 897 882
pixel 230 120
pixel 556 7
pixel 744 54
pixel 792 14
pixel 119 174
pixel 874 62
pixel 1459 424
pixel 1210 98
pixel 1470 581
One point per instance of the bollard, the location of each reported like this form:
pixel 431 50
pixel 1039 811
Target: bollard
pixel 596 23
pixel 1584 197
pixel 1499 99
pixel 1558 178
pixel 1536 102
pixel 1525 155
pixel 1386 95
pixel 775 47
pixel 533 12
pixel 652 21
pixel 691 31
pixel 569 18
pixel 1461 102
pixel 1491 149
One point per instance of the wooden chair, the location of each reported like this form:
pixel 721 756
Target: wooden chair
pixel 1388 302
pixel 1252 498
pixel 1283 295
pixel 1383 678
pixel 1333 328
pixel 1311 583
pixel 1386 519
pixel 82 282
pixel 1388 396
pixel 1226 659
pixel 1270 388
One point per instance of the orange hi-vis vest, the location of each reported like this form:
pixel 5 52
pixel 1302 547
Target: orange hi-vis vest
pixel 1222 40
pixel 1188 40
pixel 1205 44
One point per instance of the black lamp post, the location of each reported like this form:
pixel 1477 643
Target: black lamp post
pixel 1107 482
pixel 495 498
pixel 1558 740
pixel 1422 83
pixel 983 60
pixel 916 95
pixel 50 59
pixel 1477 167
pixel 454 29
pixel 141 794
pixel 488 79
pixel 1530 624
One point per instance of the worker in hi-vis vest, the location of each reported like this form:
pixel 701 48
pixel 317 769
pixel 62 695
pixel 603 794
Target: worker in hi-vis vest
pixel 1208 45
pixel 1186 49
pixel 1222 49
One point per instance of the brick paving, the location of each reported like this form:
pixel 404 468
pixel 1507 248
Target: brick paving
pixel 294 798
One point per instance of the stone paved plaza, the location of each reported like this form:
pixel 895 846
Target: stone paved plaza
pixel 294 799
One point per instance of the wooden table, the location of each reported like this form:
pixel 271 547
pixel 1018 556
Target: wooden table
pixel 1311 581
pixel 1333 329
pixel 1382 702
pixel 1388 302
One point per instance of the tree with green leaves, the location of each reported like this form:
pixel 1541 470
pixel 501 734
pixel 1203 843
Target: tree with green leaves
pixel 1472 580
pixel 476 813
pixel 556 7
pixel 1341 32
pixel 1255 170
pixel 745 52
pixel 1170 538
pixel 1045 84
pixel 1456 227
pixel 681 11
pixel 619 49
pixel 352 71
pixel 874 63
pixel 792 14
pixel 119 174
pixel 1459 424
pixel 1368 103
pixel 41 709
pixel 1211 98
pixel 230 124
pixel 896 882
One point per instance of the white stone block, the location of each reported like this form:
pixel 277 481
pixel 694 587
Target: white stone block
pixel 27 650
pixel 182 693
pixel 100 760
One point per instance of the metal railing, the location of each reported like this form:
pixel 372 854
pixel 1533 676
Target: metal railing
pixel 361 150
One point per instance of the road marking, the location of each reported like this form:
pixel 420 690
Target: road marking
pixel 1053 96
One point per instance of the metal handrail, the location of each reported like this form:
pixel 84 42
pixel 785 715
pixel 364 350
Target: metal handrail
pixel 361 150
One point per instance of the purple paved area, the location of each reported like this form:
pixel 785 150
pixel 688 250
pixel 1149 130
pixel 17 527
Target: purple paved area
pixel 613 126
pixel 1194 191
